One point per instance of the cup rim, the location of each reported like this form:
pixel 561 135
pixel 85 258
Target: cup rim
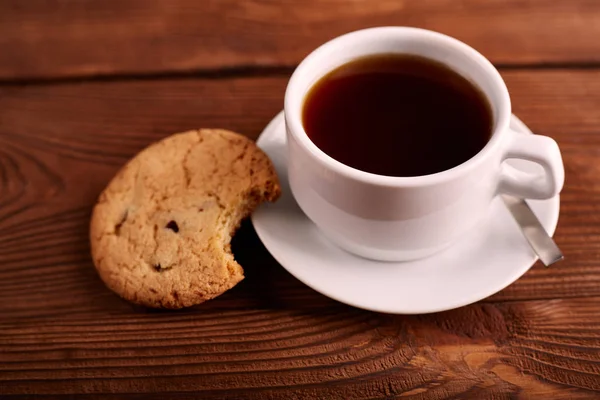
pixel 295 127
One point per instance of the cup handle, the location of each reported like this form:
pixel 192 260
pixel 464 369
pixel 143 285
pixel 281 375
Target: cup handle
pixel 541 150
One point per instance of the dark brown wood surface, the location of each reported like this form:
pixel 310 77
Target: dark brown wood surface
pixel 168 66
pixel 72 38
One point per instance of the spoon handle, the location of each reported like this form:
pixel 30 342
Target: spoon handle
pixel 541 243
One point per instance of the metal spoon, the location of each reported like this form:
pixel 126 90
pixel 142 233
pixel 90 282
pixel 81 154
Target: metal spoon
pixel 541 243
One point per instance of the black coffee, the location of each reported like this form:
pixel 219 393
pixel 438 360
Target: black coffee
pixel 397 115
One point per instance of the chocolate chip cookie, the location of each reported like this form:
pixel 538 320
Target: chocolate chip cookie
pixel 160 233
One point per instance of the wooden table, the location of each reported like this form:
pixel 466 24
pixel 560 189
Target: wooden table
pixel 85 84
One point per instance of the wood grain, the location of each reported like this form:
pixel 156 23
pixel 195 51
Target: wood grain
pixel 61 143
pixel 42 39
pixel 163 66
pixel 63 333
pixel 546 349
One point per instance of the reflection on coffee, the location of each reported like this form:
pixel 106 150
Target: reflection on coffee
pixel 397 115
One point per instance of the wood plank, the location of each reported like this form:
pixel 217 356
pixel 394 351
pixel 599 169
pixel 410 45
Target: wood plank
pixel 537 349
pixel 61 38
pixel 61 143
pixel 62 332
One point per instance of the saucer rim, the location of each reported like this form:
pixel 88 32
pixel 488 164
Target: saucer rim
pixel 473 297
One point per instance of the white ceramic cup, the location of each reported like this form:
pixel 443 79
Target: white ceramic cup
pixel 401 218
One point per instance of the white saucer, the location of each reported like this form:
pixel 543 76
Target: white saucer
pixel 479 265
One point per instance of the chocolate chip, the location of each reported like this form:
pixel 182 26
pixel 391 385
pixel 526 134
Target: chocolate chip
pixel 172 225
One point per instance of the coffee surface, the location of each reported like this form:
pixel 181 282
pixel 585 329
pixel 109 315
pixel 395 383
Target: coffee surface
pixel 397 115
